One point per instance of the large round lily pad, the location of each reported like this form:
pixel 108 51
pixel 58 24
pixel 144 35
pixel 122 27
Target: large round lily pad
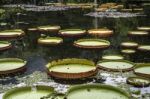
pixel 96 91
pixel 101 32
pixel 138 81
pixel 129 44
pixel 142 70
pixel 115 65
pixel 4 45
pixel 92 43
pixel 71 68
pixel 29 93
pixel 128 51
pixel 72 32
pixel 112 57
pixel 49 28
pixel 144 28
pixel 138 33
pixel 11 34
pixel 144 48
pixel 11 65
pixel 50 41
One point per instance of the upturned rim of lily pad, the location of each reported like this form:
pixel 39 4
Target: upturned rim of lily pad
pixel 100 32
pixel 14 70
pixel 71 75
pixel 104 46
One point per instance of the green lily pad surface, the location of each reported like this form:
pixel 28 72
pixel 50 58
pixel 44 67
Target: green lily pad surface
pixel 96 91
pixel 9 64
pixel 143 70
pixel 92 43
pixel 49 28
pixel 138 33
pixel 50 40
pixel 144 48
pixel 11 33
pixel 78 68
pixel 72 31
pixel 112 57
pixel 28 93
pixel 144 28
pixel 129 44
pixel 4 44
pixel 116 65
pixel 128 51
pixel 138 81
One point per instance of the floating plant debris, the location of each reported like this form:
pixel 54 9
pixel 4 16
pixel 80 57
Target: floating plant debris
pixel 113 14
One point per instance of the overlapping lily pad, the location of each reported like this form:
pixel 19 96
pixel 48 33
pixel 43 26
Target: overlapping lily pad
pixel 96 91
pixel 71 68
pixel 92 43
pixel 11 65
pixel 116 65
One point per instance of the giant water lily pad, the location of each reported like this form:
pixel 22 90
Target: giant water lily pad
pixel 144 28
pixel 92 43
pixel 138 81
pixel 129 44
pixel 138 33
pixel 11 65
pixel 72 32
pixel 112 57
pixel 4 45
pixel 11 34
pixel 71 68
pixel 49 28
pixel 144 48
pixel 142 70
pixel 128 51
pixel 96 91
pixel 50 41
pixel 100 32
pixel 116 65
pixel 29 93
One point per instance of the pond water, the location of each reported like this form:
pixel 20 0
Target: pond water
pixel 37 56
